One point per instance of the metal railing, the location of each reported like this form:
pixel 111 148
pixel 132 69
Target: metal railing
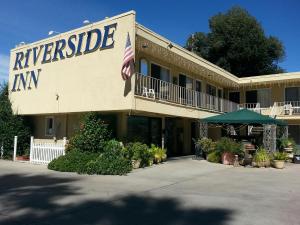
pixel 165 91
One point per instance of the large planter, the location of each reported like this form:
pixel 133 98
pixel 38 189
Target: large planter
pixel 278 164
pixel 261 164
pixel 227 158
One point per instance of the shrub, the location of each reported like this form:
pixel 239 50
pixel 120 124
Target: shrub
pixel 228 145
pixel 279 156
pixel 91 136
pixel 73 161
pixel 111 161
pixel 138 151
pixel 214 157
pixel 206 145
pixel 108 164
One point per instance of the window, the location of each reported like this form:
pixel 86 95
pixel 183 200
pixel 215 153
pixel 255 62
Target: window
pixel 49 126
pixel 189 83
pixel 211 90
pixel 185 82
pixel 198 86
pixel 159 72
pixel 262 96
pixel 292 94
pixel 220 93
pixel 144 67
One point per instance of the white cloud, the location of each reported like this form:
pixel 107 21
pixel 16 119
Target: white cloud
pixel 4 65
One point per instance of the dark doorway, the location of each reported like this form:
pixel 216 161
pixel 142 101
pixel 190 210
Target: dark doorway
pixel 251 96
pixel 234 97
pixel 155 71
pixel 193 136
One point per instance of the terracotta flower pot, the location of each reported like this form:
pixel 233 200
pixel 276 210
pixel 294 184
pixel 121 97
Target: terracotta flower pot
pixel 22 158
pixel 227 158
pixel 278 164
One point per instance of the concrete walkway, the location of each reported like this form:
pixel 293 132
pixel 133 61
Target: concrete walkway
pixel 183 192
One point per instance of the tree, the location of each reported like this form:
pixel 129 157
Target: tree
pixel 11 125
pixel 237 43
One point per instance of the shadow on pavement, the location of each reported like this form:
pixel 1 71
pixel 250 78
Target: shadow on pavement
pixel 36 196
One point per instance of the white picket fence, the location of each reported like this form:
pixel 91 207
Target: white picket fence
pixel 43 151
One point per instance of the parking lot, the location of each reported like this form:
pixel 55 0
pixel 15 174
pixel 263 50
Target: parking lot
pixel 182 191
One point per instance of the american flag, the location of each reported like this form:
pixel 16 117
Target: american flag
pixel 128 61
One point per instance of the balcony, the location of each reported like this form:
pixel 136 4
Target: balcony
pixel 162 91
pixel 287 108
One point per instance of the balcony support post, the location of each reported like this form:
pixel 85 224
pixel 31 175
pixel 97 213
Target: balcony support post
pixel 203 129
pixel 269 137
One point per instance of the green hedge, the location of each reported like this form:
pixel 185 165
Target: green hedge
pixel 108 164
pixel 73 161
pixel 111 162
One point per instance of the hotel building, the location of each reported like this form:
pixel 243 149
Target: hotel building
pixel 55 80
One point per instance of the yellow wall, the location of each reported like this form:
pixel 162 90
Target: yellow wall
pixel 89 82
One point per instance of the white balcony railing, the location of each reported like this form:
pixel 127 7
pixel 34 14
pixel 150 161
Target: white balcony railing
pixel 165 91
pixel 287 108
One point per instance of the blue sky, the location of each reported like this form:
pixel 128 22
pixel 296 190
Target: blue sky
pixel 31 20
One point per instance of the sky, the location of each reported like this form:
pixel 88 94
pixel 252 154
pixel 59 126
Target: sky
pixel 31 20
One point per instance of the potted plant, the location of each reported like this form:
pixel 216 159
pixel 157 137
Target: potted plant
pixel 296 158
pixel 279 159
pixel 159 154
pixel 206 145
pixel 228 148
pixel 261 158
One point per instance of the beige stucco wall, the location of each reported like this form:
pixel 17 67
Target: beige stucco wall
pixel 89 82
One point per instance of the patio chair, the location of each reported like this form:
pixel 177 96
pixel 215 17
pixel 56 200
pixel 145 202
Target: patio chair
pixel 149 93
pixel 288 109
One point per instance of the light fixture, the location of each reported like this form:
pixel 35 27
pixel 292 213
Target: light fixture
pixel 144 45
pixel 52 32
pixel 170 45
pixel 86 22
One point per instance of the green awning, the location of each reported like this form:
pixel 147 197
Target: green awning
pixel 243 116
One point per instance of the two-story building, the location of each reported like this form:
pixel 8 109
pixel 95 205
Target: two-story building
pixel 56 80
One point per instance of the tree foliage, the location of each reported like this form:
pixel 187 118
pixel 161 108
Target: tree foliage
pixel 11 125
pixel 91 136
pixel 237 43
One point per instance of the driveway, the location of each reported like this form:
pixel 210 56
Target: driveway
pixel 179 192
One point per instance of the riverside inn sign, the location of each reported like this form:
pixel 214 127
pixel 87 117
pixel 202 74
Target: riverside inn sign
pixel 62 49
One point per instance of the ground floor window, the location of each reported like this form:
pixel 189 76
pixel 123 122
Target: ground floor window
pixel 49 131
pixel 144 129
pixel 294 132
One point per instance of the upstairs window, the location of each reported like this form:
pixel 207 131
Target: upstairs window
pixel 144 67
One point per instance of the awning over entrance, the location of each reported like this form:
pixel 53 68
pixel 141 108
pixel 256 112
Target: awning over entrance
pixel 243 116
